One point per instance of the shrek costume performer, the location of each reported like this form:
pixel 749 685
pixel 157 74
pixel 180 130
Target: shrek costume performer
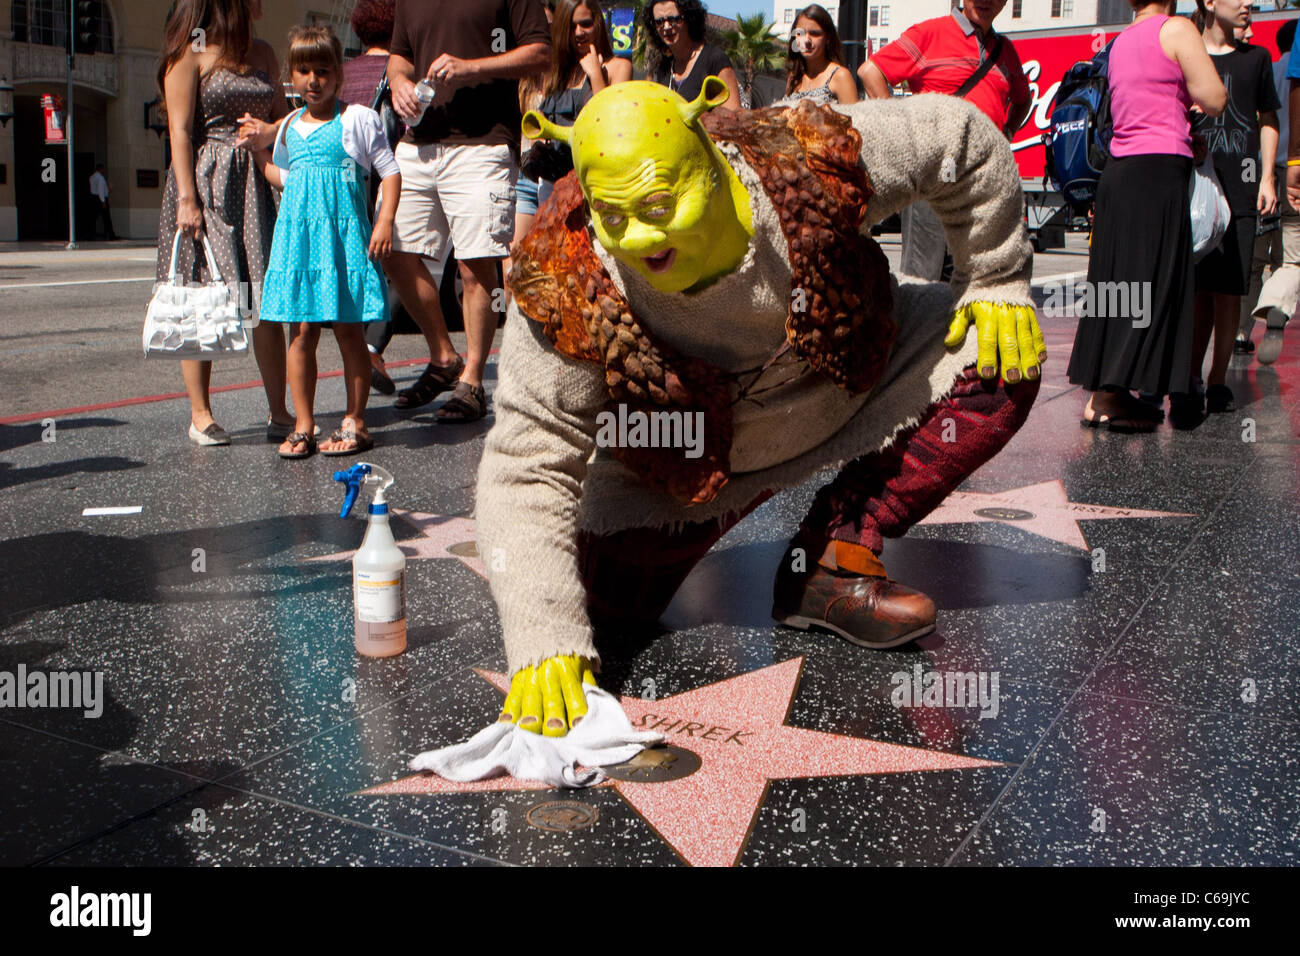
pixel 718 267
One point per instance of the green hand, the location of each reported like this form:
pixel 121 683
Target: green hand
pixel 1010 332
pixel 552 690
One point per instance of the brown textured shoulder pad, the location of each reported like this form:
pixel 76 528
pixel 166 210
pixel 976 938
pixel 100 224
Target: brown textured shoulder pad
pixel 552 268
pixel 809 158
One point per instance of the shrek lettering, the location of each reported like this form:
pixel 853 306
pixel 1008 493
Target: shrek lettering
pixel 668 725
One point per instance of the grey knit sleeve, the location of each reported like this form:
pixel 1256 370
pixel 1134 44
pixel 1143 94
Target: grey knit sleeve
pixel 529 483
pixel 945 151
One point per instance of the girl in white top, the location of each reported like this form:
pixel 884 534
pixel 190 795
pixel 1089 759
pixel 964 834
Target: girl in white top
pixel 323 265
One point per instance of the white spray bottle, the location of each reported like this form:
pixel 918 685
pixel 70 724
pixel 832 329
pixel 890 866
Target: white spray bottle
pixel 378 569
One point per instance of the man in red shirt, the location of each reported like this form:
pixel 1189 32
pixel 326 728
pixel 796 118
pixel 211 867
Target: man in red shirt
pixel 940 56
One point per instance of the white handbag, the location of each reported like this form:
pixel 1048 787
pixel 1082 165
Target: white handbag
pixel 192 321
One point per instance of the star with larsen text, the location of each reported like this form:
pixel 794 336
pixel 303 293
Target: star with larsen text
pixel 737 728
pixel 1044 509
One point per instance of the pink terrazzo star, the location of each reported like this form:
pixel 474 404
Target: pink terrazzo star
pixel 737 728
pixel 1054 515
pixel 438 535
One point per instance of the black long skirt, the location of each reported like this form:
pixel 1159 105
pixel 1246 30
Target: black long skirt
pixel 1142 238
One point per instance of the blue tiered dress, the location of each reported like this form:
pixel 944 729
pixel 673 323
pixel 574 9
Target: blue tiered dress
pixel 320 270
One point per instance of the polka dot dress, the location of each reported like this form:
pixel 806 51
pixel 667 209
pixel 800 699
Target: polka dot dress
pixel 238 204
pixel 320 269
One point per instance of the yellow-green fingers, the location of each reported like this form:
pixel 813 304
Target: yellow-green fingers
pixel 511 709
pixel 531 721
pixel 1009 339
pixel 986 327
pixel 1008 349
pixel 957 328
pixel 1025 341
pixel 553 699
pixel 575 700
pixel 1040 345
pixel 548 699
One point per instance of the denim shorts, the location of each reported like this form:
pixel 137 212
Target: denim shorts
pixel 526 197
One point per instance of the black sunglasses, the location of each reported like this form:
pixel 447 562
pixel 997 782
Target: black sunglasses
pixel 662 22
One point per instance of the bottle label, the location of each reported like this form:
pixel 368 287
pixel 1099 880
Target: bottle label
pixel 380 597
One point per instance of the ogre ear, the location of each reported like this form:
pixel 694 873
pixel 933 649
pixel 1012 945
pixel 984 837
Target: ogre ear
pixel 537 126
pixel 713 94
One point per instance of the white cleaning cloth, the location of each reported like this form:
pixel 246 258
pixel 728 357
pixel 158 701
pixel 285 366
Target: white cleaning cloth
pixel 605 736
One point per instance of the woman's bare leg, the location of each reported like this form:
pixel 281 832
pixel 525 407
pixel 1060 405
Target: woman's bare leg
pixel 198 381
pixel 268 348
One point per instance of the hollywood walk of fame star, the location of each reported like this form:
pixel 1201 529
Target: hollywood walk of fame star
pixel 441 536
pixel 737 728
pixel 1044 509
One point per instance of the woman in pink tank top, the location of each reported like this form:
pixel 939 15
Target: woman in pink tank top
pixel 1141 253
pixel 1149 99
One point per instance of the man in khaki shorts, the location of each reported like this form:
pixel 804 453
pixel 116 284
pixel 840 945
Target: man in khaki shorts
pixel 458 172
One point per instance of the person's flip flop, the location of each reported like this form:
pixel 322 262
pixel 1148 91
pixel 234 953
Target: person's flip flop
pixel 299 438
pixel 347 433
pixel 276 433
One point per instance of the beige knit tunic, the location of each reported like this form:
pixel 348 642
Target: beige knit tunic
pixel 542 477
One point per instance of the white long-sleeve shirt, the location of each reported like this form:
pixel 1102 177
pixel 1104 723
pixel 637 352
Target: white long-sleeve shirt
pixel 99 186
pixel 363 139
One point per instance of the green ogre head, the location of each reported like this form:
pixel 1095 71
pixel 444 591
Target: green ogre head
pixel 663 200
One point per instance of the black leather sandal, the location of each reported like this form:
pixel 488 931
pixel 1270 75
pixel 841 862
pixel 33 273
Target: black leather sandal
pixel 433 381
pixel 468 403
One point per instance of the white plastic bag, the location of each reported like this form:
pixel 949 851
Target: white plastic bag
pixel 194 321
pixel 1210 211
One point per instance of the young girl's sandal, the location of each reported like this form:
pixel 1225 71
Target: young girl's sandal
pixel 348 433
pixel 299 438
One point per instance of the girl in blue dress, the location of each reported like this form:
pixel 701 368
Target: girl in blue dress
pixel 323 266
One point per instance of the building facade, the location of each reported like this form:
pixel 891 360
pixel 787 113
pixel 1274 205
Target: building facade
pixel 113 88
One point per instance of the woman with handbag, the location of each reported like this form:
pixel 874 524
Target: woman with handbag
pixel 1243 145
pixel 213 188
pixel 1142 236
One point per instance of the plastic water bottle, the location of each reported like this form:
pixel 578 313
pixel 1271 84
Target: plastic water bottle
pixel 424 92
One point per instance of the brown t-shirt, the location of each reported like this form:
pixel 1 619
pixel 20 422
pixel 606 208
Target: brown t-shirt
pixel 487 113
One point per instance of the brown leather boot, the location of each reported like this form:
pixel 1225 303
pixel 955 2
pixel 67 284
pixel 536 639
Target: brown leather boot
pixel 846 590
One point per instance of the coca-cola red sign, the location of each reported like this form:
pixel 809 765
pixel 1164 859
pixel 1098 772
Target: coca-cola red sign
pixel 1045 61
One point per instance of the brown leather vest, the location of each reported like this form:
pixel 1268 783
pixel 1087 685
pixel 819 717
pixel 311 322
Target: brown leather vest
pixel 809 160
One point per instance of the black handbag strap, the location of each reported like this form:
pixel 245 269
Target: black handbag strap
pixel 990 61
pixel 378 99
pixel 382 103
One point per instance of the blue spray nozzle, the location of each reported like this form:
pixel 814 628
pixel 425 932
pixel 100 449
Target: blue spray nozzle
pixel 353 479
pixel 363 473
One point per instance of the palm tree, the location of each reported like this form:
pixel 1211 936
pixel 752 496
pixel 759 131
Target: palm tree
pixel 753 49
